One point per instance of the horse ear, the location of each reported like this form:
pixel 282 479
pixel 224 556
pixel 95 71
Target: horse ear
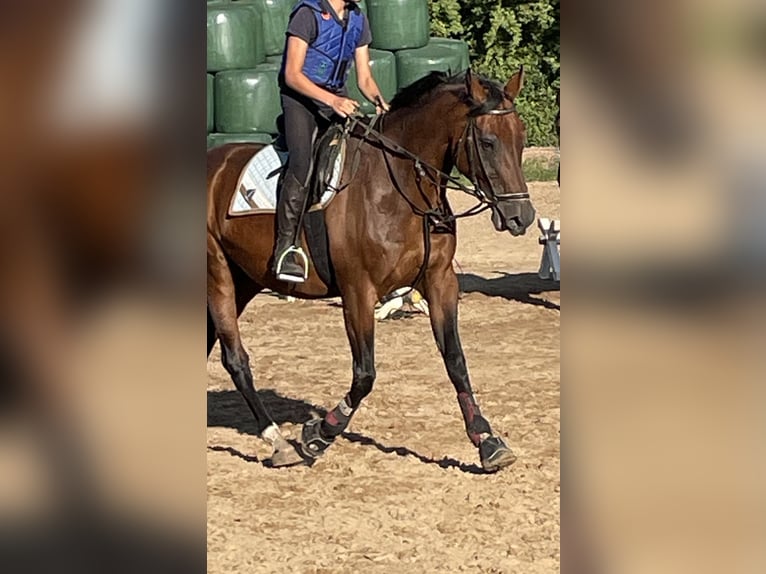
pixel 473 86
pixel 514 85
pixel 469 81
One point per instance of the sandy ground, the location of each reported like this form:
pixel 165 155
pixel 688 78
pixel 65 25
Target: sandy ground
pixel 403 490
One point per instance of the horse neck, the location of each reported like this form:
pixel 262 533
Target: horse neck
pixel 426 132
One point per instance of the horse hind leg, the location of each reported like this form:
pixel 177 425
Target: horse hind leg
pixel 222 309
pixel 441 291
pixel 358 314
pixel 212 335
pixel 245 291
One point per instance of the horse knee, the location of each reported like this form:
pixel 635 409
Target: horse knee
pixel 454 358
pixel 236 363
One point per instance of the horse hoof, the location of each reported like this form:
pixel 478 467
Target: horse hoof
pixel 312 441
pixel 284 455
pixel 495 454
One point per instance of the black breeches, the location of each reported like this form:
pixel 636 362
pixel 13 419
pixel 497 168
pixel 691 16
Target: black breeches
pixel 302 126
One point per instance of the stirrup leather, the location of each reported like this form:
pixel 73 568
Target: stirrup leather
pixel 300 253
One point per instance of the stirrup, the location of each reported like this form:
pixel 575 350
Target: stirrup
pixel 291 278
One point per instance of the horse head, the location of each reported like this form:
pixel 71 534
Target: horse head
pixel 490 147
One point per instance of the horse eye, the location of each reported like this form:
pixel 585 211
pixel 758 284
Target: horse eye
pixel 487 143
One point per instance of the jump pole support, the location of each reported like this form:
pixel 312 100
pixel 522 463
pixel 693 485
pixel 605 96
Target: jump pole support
pixel 550 266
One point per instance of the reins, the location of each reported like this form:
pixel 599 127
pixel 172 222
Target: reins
pixel 421 166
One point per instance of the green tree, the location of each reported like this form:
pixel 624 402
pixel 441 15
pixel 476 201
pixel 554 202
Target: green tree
pixel 504 35
pixel 446 19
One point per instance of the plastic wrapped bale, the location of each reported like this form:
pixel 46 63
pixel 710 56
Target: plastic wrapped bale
pixel 398 24
pixel 210 103
pixel 460 47
pixel 275 59
pixel 247 101
pixel 215 140
pixel 411 65
pixel 275 15
pixel 269 67
pixel 234 38
pixel 273 68
pixel 383 65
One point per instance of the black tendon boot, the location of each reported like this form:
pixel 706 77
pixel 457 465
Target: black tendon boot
pixel 290 263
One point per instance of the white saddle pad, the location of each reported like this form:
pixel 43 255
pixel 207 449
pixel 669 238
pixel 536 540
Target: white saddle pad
pixel 257 187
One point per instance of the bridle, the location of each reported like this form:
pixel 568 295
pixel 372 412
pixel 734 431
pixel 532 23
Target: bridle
pixel 435 176
pixel 475 156
pixel 436 216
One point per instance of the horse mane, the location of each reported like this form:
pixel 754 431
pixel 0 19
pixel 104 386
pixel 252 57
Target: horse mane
pixel 416 94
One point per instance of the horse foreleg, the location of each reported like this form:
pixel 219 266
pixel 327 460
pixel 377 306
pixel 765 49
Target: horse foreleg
pixel 441 291
pixel 222 312
pixel 358 314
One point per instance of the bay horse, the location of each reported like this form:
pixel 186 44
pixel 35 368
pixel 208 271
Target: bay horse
pixel 390 226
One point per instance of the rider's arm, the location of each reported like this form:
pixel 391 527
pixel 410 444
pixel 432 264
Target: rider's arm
pixel 367 84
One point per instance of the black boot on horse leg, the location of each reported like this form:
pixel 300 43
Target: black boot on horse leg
pixel 290 262
pixel 319 434
pixel 493 451
pixel 441 290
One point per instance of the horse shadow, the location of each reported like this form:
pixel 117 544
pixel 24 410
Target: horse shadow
pixel 227 409
pixel 515 287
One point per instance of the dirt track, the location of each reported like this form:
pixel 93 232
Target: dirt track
pixel 404 491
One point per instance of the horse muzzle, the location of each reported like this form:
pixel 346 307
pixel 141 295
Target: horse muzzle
pixel 514 216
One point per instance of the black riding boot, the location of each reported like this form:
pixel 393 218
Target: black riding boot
pixel 288 260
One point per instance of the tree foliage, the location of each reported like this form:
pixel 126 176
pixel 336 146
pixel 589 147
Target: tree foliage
pixel 504 35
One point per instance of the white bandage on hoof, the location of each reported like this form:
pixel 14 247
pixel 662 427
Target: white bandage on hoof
pixel 345 408
pixel 272 434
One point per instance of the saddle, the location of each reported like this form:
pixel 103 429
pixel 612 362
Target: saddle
pixel 329 157
pixel 260 179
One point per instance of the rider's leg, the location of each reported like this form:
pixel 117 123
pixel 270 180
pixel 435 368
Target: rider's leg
pixel 300 131
pixel 288 265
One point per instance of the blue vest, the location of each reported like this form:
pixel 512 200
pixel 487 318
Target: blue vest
pixel 329 57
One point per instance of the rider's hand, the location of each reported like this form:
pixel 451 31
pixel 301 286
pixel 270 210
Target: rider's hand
pixel 381 105
pixel 344 107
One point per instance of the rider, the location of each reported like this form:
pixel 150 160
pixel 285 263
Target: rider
pixel 324 39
